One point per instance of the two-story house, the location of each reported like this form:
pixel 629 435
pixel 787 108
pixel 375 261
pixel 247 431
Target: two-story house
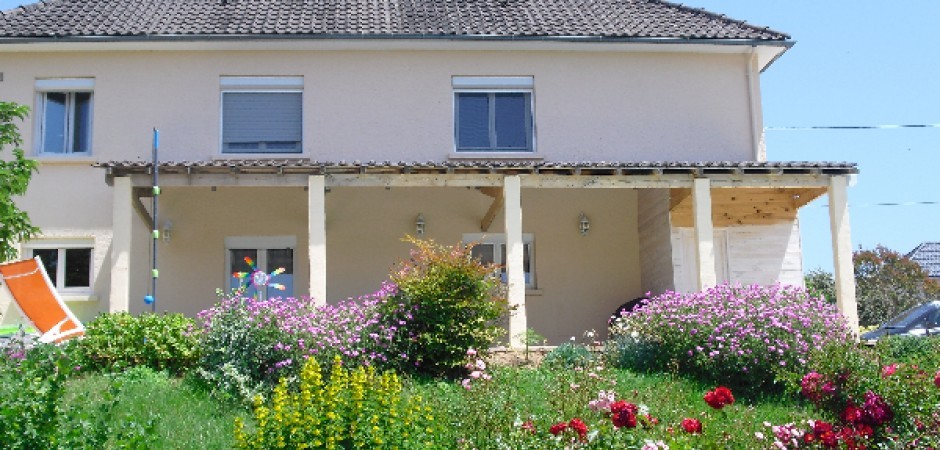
pixel 597 150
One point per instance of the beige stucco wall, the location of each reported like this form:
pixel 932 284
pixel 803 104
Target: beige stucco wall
pixel 580 280
pixel 396 105
pixel 399 105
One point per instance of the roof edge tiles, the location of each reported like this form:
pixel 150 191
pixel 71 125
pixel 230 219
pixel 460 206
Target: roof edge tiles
pixel 480 19
pixel 603 168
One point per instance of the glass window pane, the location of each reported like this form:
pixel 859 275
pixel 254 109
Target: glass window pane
pixel 484 253
pixel 512 130
pixel 50 261
pixel 238 264
pixel 81 122
pixel 77 267
pixel 53 123
pixel 473 123
pixel 281 258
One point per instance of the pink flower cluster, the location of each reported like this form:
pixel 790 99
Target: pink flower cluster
pixel 477 369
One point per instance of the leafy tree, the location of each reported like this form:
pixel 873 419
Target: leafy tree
pixel 15 173
pixel 886 283
pixel 820 283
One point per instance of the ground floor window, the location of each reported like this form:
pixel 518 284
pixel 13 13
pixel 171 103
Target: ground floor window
pixel 262 255
pixel 491 249
pixel 68 262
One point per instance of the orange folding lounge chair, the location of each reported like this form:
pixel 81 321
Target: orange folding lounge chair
pixel 39 301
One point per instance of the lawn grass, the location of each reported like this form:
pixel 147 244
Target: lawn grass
pixel 483 416
pixel 186 417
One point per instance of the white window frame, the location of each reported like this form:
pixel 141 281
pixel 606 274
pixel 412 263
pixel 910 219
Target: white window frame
pixel 61 245
pixel 499 239
pixel 69 87
pixel 260 85
pixel 259 243
pixel 494 85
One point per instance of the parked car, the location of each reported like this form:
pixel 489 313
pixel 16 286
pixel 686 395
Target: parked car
pixel 921 320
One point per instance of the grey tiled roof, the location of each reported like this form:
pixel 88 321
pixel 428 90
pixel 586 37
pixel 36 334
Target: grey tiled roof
pixel 603 168
pixel 928 256
pixel 483 19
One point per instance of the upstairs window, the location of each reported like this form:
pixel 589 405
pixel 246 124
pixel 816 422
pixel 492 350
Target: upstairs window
pixel 262 114
pixel 493 114
pixel 64 109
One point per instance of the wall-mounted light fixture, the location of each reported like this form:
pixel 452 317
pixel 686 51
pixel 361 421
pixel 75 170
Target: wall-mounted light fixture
pixel 420 225
pixel 584 225
pixel 167 231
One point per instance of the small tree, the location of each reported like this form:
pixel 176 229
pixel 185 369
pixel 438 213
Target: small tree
pixel 15 225
pixel 820 283
pixel 888 283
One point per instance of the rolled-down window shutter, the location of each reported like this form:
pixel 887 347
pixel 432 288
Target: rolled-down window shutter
pixel 261 122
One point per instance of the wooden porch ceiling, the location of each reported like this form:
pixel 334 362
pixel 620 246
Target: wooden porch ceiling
pixel 744 206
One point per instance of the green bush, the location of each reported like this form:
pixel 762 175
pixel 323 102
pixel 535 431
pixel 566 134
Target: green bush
pixel 116 341
pixel 455 303
pixel 355 408
pixel 35 413
pixel 634 352
pixel 922 351
pixel 568 356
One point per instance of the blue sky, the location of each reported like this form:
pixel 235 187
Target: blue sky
pixel 855 62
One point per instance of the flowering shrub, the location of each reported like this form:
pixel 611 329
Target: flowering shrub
pixel 734 334
pixel 118 341
pixel 249 344
pixel 454 303
pixel 868 398
pixel 355 408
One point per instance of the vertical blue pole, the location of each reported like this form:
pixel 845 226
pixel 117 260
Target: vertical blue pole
pixel 154 272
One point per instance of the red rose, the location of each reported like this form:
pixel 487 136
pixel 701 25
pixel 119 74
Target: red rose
pixel 719 398
pixel 580 427
pixel 936 380
pixel 558 428
pixel 693 426
pixel 623 414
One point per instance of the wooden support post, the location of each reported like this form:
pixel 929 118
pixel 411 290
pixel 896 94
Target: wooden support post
pixel 704 234
pixel 515 272
pixel 842 250
pixel 121 237
pixel 316 237
pixel 497 195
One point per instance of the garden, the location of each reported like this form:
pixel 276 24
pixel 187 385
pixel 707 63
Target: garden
pixel 750 367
